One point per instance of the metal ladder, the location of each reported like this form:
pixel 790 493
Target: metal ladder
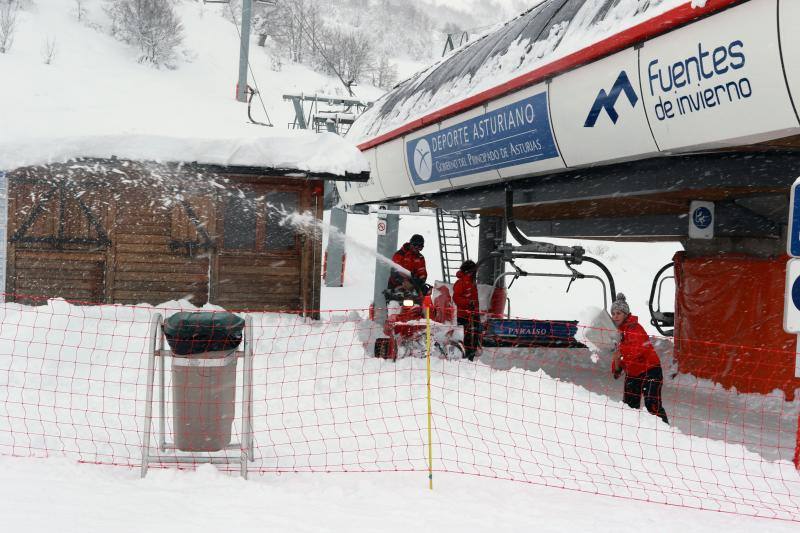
pixel 452 243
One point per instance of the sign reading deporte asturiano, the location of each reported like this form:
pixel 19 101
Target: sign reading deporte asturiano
pixel 511 135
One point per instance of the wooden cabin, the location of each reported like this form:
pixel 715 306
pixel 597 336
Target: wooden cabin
pixel 120 231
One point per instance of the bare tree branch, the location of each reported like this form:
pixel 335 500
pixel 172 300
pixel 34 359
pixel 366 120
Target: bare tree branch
pixel 49 50
pixel 8 23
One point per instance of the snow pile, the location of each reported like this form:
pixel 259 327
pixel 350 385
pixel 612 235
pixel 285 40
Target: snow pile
pixel 306 151
pixel 95 100
pixel 597 331
pixel 74 380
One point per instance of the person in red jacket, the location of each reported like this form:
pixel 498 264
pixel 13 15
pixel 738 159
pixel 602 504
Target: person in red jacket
pixel 465 296
pixel 410 258
pixel 638 359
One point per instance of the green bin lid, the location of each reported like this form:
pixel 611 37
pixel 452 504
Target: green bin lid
pixel 203 324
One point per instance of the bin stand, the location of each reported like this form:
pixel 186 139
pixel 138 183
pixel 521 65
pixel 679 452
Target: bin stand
pixel 159 352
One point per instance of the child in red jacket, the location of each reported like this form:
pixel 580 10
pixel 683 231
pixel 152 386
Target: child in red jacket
pixel 638 359
pixel 465 296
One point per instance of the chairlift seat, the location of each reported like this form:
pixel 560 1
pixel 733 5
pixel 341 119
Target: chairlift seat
pixel 663 318
pixel 504 332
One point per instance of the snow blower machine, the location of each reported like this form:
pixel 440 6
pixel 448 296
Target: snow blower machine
pixel 406 324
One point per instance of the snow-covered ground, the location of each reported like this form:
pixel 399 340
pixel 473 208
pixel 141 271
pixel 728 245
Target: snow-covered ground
pixel 340 437
pixel 53 494
pixel 74 498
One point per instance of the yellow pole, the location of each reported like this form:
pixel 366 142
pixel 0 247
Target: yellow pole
pixel 428 358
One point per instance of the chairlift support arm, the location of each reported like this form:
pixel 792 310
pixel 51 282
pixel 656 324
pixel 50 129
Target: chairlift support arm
pixel 528 249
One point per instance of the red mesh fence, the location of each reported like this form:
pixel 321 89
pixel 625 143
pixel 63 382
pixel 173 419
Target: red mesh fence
pixel 536 406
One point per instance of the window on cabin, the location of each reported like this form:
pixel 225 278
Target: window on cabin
pixel 281 234
pixel 241 217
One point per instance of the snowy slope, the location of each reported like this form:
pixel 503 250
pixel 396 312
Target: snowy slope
pixel 95 93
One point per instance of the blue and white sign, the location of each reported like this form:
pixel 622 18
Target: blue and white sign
pixel 512 135
pixel 793 235
pixel 791 307
pixel 701 220
pixel 532 329
pixel 719 81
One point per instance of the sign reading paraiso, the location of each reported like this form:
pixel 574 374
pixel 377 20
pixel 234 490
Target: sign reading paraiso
pixel 511 135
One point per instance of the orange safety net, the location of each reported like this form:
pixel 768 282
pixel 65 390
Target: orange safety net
pixel 78 381
pixel 734 300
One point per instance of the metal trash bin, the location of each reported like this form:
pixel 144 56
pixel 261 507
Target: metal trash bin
pixel 203 346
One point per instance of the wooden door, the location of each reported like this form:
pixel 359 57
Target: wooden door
pixel 58 241
pixel 258 261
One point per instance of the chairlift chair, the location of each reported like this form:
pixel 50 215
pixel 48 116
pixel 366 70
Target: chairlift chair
pixel 658 318
pixel 505 331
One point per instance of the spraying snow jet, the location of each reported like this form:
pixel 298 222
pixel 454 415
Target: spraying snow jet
pixel 307 224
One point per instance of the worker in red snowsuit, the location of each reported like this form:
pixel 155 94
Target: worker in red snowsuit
pixel 410 258
pixel 465 296
pixel 638 359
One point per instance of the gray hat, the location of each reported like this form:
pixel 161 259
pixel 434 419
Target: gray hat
pixel 620 304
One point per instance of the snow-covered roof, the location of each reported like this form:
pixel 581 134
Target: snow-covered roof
pixel 323 153
pixel 549 31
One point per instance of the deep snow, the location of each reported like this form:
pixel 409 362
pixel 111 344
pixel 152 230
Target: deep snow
pixel 74 379
pixel 95 100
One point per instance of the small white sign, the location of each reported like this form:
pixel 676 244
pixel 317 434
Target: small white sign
pixel 701 220
pixel 381 226
pixel 791 298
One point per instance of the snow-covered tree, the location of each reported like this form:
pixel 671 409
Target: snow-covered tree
pixel 8 23
pixel 49 50
pixel 80 10
pixel 347 53
pixel 151 25
pixel 383 73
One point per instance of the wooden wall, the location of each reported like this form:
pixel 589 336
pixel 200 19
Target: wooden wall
pixel 120 232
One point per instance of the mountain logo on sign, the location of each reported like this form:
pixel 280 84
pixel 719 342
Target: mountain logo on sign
pixel 608 101
pixel 423 160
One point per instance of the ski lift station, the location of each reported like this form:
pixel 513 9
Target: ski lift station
pixel 647 121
